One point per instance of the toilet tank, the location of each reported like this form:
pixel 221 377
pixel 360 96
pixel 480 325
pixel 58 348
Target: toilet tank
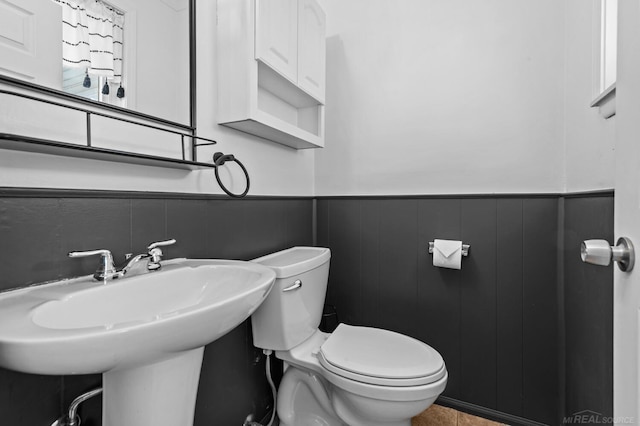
pixel 292 313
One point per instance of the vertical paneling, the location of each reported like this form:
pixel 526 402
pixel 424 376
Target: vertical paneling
pixel 397 289
pixel 186 222
pixel 344 242
pixel 232 382
pixel 439 288
pixel 298 220
pixel 540 310
pixel 588 309
pixel 148 223
pixel 225 236
pixel 28 224
pixel 478 303
pixel 495 321
pixel 322 223
pixel 370 251
pixel 263 224
pixel 509 306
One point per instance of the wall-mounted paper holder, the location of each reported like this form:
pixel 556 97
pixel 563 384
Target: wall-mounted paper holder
pixel 465 248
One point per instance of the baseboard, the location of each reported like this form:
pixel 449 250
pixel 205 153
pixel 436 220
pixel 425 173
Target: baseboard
pixel 486 413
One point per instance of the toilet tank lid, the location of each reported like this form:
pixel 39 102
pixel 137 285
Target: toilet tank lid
pixel 295 260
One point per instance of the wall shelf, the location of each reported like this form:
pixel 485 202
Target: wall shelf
pixel 189 142
pixel 45 146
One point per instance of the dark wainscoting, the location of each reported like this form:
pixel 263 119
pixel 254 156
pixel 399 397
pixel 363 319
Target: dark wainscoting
pixel 588 304
pixel 525 327
pixel 494 321
pixel 499 321
pixel 39 227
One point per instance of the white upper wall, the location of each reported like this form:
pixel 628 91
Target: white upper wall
pixel 424 97
pixel 589 138
pixel 274 169
pixel 462 96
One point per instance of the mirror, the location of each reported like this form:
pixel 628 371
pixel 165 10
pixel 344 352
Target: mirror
pixel 155 51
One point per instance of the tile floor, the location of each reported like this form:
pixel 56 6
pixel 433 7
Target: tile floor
pixel 437 415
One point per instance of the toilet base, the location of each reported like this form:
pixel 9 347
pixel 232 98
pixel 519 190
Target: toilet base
pixel 356 410
pixel 303 400
pixel 306 398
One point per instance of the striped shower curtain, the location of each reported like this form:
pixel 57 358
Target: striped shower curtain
pixel 92 37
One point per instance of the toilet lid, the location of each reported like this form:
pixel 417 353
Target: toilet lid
pixel 376 356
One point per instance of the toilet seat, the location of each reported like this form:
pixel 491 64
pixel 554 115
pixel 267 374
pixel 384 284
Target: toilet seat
pixel 380 357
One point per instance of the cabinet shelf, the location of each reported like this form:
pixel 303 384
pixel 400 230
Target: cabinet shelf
pixel 284 113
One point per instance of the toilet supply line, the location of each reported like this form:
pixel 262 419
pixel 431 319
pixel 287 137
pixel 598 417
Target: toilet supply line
pixel 268 353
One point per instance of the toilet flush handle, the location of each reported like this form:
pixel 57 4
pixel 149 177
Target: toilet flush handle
pixel 296 285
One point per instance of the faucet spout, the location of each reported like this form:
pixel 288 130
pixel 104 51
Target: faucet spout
pixel 153 257
pixel 136 265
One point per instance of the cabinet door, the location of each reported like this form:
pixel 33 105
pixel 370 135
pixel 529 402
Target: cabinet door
pixel 312 49
pixel 277 36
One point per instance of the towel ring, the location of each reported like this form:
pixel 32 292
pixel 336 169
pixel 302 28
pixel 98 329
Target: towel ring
pixel 218 160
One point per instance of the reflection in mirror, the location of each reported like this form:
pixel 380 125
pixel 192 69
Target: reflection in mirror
pixel 129 53
pixel 92 50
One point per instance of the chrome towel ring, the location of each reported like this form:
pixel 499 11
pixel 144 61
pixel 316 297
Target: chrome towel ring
pixel 218 160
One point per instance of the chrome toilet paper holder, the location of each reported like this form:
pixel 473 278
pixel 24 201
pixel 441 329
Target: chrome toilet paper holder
pixel 465 248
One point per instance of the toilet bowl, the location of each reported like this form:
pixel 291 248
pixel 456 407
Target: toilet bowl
pixel 354 376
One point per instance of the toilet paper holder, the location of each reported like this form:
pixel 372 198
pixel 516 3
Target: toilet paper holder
pixel 465 248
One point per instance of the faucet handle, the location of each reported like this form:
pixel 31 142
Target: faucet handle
pixel 106 269
pixel 161 244
pixel 155 252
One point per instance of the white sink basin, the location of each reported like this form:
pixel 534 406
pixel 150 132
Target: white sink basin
pixel 139 331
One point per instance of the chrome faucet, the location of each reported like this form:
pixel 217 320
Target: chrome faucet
pixel 108 271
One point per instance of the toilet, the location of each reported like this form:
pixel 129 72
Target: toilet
pixel 353 376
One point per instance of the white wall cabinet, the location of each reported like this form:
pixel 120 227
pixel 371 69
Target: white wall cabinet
pixel 271 69
pixel 312 51
pixel 277 36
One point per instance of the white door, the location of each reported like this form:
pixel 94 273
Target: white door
pixel 31 41
pixel 627 216
pixel 277 36
pixel 312 49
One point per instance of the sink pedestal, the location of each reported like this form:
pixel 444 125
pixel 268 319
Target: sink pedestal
pixel 159 394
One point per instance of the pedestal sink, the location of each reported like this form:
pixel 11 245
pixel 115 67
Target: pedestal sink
pixel 145 334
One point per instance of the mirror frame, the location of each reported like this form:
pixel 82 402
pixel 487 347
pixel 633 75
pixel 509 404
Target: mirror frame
pixel 188 128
